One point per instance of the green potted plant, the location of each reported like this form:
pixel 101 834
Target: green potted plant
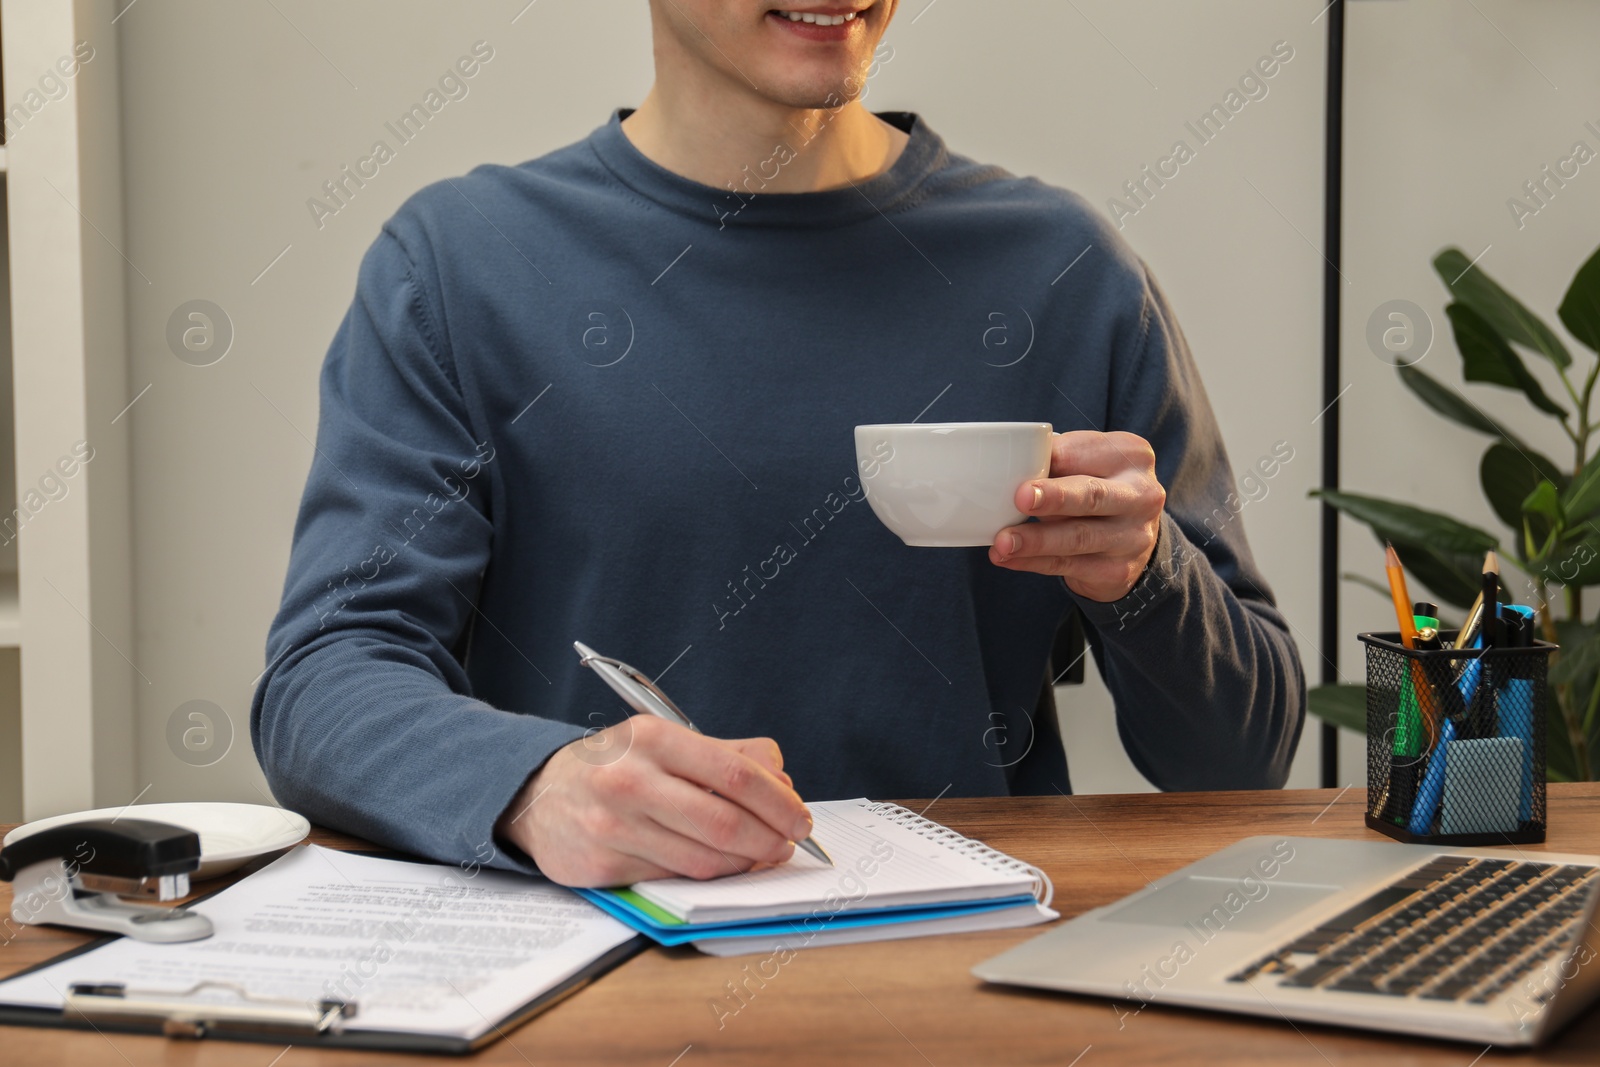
pixel 1551 509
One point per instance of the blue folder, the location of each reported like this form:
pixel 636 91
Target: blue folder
pixel 665 930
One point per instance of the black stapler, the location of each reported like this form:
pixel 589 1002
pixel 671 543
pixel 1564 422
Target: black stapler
pixel 76 874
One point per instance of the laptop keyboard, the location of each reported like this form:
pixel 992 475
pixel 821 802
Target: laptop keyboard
pixel 1458 928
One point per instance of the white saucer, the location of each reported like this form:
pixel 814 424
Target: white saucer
pixel 230 834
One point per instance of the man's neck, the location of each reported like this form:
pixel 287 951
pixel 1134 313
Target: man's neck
pixel 734 138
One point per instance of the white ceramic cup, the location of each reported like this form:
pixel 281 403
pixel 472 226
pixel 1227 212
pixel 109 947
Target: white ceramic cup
pixel 952 484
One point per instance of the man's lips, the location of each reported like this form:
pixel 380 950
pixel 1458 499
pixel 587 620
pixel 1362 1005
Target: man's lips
pixel 825 24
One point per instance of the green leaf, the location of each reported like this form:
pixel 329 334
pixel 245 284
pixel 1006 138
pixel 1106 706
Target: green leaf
pixel 1412 525
pixel 1361 579
pixel 1471 284
pixel 1577 663
pixel 1343 705
pixel 1580 308
pixel 1445 622
pixel 1575 564
pixel 1454 578
pixel 1545 503
pixel 1585 558
pixel 1538 539
pixel 1486 357
pixel 1509 475
pixel 1581 498
pixel 1572 636
pixel 1561 763
pixel 1443 554
pixel 1455 407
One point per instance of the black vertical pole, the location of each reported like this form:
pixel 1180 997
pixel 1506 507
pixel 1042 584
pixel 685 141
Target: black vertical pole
pixel 1332 193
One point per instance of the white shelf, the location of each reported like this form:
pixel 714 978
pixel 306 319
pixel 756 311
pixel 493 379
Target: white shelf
pixel 10 617
pixel 76 690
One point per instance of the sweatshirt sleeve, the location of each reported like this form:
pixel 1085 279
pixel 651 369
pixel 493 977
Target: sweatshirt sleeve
pixel 364 719
pixel 1206 678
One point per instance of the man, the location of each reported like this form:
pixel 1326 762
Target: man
pixel 608 396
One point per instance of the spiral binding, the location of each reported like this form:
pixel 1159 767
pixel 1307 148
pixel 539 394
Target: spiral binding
pixel 992 858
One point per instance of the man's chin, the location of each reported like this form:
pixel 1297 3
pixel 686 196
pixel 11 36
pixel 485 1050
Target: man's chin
pixel 814 96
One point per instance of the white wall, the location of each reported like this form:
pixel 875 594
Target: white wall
pixel 1450 107
pixel 1086 100
pixel 235 114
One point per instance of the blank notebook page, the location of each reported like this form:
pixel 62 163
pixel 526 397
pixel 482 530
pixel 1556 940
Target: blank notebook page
pixel 884 856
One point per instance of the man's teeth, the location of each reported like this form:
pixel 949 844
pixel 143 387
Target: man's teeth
pixel 820 20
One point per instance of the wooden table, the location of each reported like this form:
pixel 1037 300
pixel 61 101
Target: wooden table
pixel 909 1002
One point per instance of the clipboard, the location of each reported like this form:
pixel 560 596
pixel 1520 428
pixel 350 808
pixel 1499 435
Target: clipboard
pixel 183 1014
pixel 144 1011
pixel 258 1021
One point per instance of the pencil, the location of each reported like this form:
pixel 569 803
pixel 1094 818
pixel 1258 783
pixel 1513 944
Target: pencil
pixel 1408 638
pixel 1402 598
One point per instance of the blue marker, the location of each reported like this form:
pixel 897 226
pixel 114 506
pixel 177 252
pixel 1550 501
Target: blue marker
pixel 1516 705
pixel 1428 796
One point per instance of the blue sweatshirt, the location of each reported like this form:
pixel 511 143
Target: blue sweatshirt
pixel 587 399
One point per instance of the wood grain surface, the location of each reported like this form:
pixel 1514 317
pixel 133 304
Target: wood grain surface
pixel 908 1002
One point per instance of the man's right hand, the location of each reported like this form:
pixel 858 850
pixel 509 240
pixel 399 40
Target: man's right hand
pixel 635 801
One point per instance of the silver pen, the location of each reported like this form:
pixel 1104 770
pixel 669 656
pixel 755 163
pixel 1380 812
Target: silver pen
pixel 645 697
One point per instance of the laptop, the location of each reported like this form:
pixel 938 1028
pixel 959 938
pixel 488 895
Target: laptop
pixel 1477 945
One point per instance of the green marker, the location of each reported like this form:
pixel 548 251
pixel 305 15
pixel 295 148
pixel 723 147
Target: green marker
pixel 1408 732
pixel 1410 742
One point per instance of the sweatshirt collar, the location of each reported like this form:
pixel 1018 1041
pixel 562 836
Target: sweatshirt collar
pixel 746 205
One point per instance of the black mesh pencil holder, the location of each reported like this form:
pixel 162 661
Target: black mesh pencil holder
pixel 1456 742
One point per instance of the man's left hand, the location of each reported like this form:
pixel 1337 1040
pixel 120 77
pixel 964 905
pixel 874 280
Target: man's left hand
pixel 1099 512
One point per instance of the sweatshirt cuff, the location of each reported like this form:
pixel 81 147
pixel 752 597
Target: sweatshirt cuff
pixel 504 770
pixel 1172 553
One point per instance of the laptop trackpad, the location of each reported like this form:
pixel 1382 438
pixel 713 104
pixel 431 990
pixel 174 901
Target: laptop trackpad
pixel 1217 904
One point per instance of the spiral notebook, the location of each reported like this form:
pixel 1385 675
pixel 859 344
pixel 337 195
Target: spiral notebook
pixel 895 874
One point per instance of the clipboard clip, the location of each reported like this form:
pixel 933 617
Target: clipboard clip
pixel 191 1013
